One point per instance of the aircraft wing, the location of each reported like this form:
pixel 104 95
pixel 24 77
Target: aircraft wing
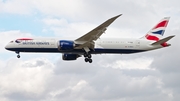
pixel 87 39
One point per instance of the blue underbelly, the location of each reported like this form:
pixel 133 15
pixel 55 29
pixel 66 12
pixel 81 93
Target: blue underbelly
pixel 96 51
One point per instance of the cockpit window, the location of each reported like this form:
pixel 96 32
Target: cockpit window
pixel 11 42
pixel 17 41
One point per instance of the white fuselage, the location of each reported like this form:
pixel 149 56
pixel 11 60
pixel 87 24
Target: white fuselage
pixel 120 45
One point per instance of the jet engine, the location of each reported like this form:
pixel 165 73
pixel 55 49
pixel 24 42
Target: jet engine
pixel 70 56
pixel 66 45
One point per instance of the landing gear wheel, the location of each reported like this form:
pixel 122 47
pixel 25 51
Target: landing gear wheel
pixel 90 60
pixel 17 52
pixel 18 56
pixel 89 56
pixel 86 59
pixel 85 55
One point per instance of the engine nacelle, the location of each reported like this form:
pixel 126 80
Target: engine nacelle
pixel 70 56
pixel 66 45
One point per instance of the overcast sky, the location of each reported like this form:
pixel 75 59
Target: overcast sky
pixel 148 76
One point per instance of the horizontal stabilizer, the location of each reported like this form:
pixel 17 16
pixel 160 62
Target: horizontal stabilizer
pixel 163 40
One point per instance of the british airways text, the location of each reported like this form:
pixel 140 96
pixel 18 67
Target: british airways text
pixel 35 43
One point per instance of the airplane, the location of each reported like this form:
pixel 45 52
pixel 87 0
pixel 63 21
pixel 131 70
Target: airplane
pixel 91 43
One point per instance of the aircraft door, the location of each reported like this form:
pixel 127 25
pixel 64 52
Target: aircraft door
pixel 137 43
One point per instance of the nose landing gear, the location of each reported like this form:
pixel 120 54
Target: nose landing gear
pixel 18 56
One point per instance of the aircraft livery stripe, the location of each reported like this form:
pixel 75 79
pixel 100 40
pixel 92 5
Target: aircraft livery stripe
pixel 160 32
pixel 150 37
pixel 161 24
pixel 77 51
pixel 25 39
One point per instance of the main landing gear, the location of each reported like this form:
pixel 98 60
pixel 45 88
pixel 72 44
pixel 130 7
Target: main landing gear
pixel 18 54
pixel 87 57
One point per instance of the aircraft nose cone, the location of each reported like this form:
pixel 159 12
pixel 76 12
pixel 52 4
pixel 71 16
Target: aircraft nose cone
pixel 6 47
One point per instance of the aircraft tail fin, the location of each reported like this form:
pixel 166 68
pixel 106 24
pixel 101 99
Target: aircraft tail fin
pixel 163 41
pixel 158 30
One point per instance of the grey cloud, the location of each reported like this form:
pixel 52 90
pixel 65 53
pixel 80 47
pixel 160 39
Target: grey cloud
pixel 36 64
pixel 19 83
pixel 108 83
pixel 21 96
